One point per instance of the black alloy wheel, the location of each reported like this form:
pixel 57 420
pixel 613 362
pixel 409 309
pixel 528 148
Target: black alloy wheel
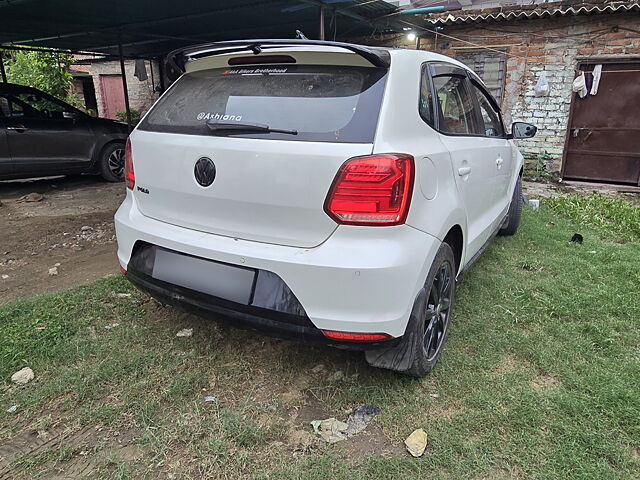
pixel 438 311
pixel 428 327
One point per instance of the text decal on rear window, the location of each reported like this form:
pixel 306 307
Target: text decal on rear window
pixel 253 71
pixel 218 116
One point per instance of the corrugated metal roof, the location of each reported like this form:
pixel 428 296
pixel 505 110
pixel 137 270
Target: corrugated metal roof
pixel 150 28
pixel 538 11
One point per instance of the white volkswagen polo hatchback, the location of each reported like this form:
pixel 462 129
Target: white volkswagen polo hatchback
pixel 326 191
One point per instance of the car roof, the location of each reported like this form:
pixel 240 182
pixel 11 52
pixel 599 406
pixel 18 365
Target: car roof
pixel 14 87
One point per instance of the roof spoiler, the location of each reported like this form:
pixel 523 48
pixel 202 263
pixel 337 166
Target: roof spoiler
pixel 176 60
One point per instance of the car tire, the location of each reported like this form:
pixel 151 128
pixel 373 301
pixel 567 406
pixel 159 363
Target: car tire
pixel 421 346
pixel 512 222
pixel 112 162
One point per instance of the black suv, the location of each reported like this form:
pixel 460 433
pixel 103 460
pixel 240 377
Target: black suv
pixel 41 136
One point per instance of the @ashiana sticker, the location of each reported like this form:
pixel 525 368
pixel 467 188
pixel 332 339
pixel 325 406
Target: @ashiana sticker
pixel 218 116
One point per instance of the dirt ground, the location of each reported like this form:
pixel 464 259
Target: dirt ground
pixel 539 190
pixel 68 227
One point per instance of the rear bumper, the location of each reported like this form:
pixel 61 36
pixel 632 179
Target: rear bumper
pixel 361 279
pixel 274 323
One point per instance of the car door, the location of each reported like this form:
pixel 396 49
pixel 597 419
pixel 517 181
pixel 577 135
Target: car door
pixel 5 156
pixel 45 135
pixel 472 158
pixel 498 147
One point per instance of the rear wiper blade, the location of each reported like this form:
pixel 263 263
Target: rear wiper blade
pixel 235 127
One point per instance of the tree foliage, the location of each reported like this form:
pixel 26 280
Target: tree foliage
pixel 45 71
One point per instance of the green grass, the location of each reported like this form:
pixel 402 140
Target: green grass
pixel 613 216
pixel 539 379
pixel 36 329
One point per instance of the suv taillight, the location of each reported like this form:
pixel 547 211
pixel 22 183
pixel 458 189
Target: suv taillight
pixel 372 190
pixel 129 175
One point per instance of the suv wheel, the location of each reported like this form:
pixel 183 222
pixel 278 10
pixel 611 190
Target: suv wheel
pixel 428 326
pixel 512 222
pixel 112 162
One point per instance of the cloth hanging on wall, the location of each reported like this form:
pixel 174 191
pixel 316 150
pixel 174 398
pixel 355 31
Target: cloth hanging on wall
pixel 580 85
pixel 597 74
pixel 140 71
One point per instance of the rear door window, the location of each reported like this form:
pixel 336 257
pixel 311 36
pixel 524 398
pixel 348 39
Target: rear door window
pixel 5 111
pixel 33 105
pixel 456 105
pixel 322 103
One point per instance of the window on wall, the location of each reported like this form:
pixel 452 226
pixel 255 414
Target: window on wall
pixel 457 111
pixel 489 66
pixel 492 124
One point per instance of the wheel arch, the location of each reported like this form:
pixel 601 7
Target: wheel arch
pixel 455 239
pixel 99 151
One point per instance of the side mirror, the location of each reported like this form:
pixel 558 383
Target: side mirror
pixel 523 130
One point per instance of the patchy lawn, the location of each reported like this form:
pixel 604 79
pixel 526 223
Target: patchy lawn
pixel 539 380
pixel 613 216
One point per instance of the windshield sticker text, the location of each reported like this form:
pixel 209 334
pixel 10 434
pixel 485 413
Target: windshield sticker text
pixel 218 116
pixel 253 71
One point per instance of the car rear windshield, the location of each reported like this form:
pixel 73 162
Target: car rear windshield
pixel 321 103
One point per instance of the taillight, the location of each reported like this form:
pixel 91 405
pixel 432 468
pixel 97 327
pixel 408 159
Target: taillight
pixel 372 190
pixel 129 174
pixel 356 337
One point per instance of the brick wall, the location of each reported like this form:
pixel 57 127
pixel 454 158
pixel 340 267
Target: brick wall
pixel 553 46
pixel 141 94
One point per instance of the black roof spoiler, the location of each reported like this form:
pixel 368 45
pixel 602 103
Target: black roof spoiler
pixel 177 59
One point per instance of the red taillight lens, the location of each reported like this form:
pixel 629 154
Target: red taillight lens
pixel 129 174
pixel 356 337
pixel 372 190
pixel 123 270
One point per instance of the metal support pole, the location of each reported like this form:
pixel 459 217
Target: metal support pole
pixel 161 75
pixel 2 72
pixel 153 82
pixel 418 42
pixel 321 30
pixel 124 84
pixel 334 21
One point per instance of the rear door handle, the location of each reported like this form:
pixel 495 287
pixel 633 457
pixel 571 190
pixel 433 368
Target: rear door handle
pixel 19 128
pixel 462 171
pixel 499 161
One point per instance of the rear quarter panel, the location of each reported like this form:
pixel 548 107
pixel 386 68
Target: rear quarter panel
pixel 436 205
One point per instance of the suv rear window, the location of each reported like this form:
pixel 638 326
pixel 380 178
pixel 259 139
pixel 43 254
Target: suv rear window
pixel 323 103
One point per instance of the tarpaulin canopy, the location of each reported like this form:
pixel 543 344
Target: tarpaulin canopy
pixel 147 29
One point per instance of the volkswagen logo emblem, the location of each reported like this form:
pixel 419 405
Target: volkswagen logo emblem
pixel 205 171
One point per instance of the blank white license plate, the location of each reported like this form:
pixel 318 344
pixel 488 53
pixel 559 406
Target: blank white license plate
pixel 206 276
